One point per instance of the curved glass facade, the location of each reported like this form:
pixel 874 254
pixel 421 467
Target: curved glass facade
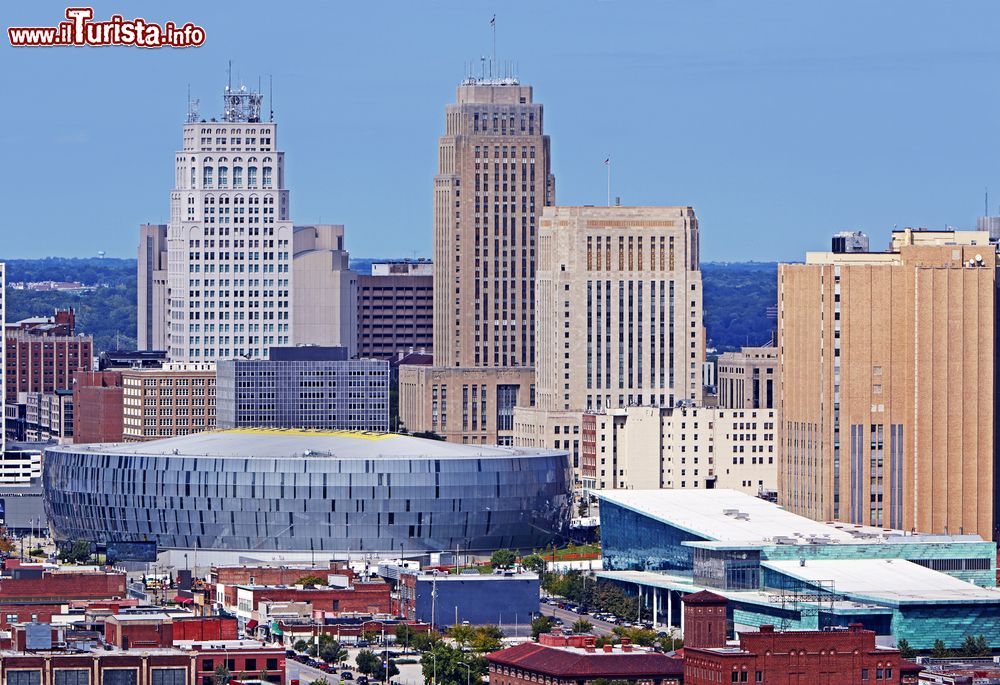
pixel 480 503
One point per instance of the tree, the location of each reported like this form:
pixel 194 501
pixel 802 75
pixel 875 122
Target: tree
pixel 670 643
pixel 534 563
pixel 367 661
pixel 982 646
pixel 310 581
pixel 300 646
pixel 638 636
pixel 423 642
pixel 78 553
pixel 542 624
pixel 385 672
pixel 582 626
pixel 503 558
pixel 320 681
pixel 905 650
pixel 6 542
pixel 974 646
pixel 939 651
pixel 487 639
pixel 330 650
pixel 449 665
pixel 582 508
pixel 222 675
pixel 404 635
pixel 462 634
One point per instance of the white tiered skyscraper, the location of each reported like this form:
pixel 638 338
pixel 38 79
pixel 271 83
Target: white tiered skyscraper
pixel 233 253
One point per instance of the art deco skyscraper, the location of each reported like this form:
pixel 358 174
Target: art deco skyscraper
pixel 493 179
pixel 241 277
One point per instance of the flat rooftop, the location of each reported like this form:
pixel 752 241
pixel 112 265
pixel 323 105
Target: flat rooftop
pixel 886 581
pixel 733 518
pixel 277 443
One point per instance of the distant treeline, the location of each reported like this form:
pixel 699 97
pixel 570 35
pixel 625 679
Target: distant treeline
pixel 736 298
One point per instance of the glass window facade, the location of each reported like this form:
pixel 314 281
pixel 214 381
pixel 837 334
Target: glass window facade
pixel 515 498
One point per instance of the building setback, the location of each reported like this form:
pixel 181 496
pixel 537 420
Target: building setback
pixel 494 177
pixel 242 278
pixel 304 387
pixel 748 379
pixel 888 372
pixel 396 309
pixel 177 399
pixel 618 320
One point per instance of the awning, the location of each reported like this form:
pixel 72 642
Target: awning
pixel 183 600
pixel 251 624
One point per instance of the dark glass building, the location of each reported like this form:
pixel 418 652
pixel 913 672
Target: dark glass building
pixel 295 490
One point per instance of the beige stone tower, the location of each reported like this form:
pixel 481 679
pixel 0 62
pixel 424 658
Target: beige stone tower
pixel 887 384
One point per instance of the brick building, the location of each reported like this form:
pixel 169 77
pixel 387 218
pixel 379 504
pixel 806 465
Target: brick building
pixel 165 666
pixel 43 353
pixel 575 660
pixel 163 630
pixel 177 399
pixel 224 579
pixel 31 594
pixel 97 406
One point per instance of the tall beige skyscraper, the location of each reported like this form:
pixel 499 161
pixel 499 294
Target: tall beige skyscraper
pixel 619 317
pixel 152 326
pixel 887 367
pixel 494 177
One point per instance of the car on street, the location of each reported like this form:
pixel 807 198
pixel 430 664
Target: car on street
pixel 347 675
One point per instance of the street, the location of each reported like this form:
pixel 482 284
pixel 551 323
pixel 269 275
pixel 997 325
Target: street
pixel 409 674
pixel 569 618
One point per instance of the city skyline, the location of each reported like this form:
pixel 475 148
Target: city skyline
pixel 815 121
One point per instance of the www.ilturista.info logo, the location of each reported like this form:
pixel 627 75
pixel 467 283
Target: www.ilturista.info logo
pixel 80 30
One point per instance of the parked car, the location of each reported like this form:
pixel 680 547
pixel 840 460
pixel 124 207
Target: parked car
pixel 363 644
pixel 347 675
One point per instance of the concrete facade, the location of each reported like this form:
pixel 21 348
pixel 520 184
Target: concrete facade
pixel 177 399
pixel 888 375
pixel 151 313
pixel 471 405
pixel 396 309
pixel 748 379
pixel 325 290
pixel 690 447
pixel 618 315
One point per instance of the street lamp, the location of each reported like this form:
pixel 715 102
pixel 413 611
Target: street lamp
pixel 468 672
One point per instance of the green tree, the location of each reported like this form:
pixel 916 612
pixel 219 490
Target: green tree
pixel 300 646
pixel 606 640
pixel 462 634
pixel 974 646
pixel 222 675
pixel 905 650
pixel 320 681
pixel 638 636
pixel 449 663
pixel 330 650
pixel 423 642
pixel 385 672
pixel 503 558
pixel 541 624
pixel 78 553
pixel 982 646
pixel 534 563
pixel 367 661
pixel 310 581
pixel 939 651
pixel 582 508
pixel 582 626
pixel 487 639
pixel 404 635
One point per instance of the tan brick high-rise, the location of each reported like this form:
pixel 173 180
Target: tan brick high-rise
pixel 887 384
pixel 493 180
pixel 494 177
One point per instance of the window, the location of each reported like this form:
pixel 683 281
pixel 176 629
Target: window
pixel 864 674
pixel 250 665
pixel 168 676
pixel 272 664
pixel 119 676
pixel 24 677
pixel 66 676
pixel 759 677
pixel 208 665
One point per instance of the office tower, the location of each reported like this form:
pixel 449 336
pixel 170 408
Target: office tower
pixel 990 224
pixel 494 177
pixel 887 384
pixel 748 379
pixel 680 447
pixel 232 248
pixel 43 353
pixel 49 416
pixel 304 387
pixel 618 317
pixel 396 309
pixel 151 314
pixel 177 399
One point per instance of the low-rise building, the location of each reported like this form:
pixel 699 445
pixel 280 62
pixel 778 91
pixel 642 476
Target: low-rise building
pixel 304 387
pixel 681 447
pixel 748 379
pixel 97 406
pixel 443 599
pixel 177 399
pixel 576 660
pixel 49 416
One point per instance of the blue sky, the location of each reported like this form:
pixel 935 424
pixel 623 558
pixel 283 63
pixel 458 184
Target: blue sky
pixel 780 122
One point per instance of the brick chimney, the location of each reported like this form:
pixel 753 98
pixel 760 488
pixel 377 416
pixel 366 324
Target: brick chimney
pixel 704 619
pixel 626 644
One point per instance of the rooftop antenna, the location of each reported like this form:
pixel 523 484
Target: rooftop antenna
pixel 482 68
pixel 229 85
pixel 986 202
pixel 270 97
pixel 493 25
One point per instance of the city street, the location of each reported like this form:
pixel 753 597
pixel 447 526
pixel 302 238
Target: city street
pixel 569 618
pixel 409 674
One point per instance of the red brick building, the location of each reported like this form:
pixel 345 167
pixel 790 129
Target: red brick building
pixel 575 660
pixel 225 578
pixel 32 595
pixel 705 620
pixel 158 667
pixel 361 598
pixel 797 657
pixel 161 630
pixel 97 406
pixel 244 659
pixel 43 354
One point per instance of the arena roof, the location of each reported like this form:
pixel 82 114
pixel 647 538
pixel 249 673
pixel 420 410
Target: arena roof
pixel 277 443
pixel 886 581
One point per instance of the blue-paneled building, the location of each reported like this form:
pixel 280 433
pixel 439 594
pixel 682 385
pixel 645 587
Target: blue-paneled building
pixel 779 568
pixel 443 600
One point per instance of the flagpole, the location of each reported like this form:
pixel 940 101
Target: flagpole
pixel 609 180
pixel 493 25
